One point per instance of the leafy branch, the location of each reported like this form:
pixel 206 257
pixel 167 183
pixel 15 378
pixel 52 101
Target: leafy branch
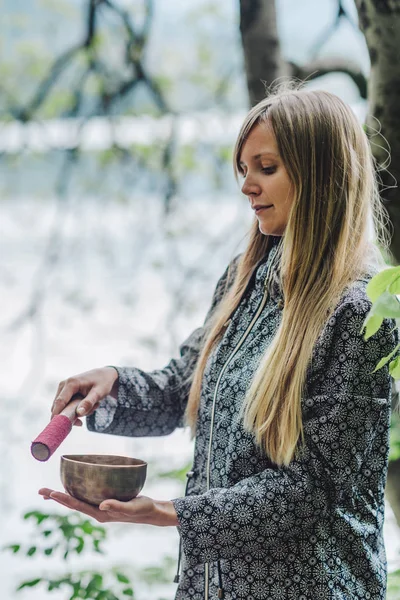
pixel 86 584
pixel 64 534
pixel 76 534
pixel 382 290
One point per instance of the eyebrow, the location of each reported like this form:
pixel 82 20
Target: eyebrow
pixel 257 156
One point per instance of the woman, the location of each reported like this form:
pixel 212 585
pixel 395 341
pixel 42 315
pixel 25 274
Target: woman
pixel 291 422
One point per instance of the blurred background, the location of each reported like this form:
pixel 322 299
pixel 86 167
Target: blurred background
pixel 119 212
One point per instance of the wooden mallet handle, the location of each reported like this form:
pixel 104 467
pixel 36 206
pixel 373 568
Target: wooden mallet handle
pixel 56 431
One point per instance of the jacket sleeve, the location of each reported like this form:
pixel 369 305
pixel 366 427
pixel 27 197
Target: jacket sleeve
pixel 153 403
pixel 343 408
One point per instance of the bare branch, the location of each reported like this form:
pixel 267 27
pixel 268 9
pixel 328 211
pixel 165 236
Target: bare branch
pixel 26 113
pixel 327 33
pixel 324 66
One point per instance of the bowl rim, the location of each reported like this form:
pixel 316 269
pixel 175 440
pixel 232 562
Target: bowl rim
pixel 70 458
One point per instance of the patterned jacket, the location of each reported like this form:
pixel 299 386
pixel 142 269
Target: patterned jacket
pixel 249 529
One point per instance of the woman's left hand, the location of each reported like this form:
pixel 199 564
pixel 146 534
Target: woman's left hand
pixel 138 510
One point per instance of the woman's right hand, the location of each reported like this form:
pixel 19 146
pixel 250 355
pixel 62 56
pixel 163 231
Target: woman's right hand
pixel 93 385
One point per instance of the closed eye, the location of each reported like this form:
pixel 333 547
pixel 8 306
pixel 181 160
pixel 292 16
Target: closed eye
pixel 268 170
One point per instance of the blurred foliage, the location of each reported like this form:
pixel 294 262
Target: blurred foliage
pixel 394 453
pixel 176 474
pixel 64 534
pixel 383 290
pixel 74 534
pixel 393 590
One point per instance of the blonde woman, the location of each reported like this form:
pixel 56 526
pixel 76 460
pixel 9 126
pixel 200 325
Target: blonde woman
pixel 291 423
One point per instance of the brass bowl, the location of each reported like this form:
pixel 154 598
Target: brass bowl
pixel 97 477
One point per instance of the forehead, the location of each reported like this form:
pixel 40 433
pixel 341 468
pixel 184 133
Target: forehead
pixel 260 141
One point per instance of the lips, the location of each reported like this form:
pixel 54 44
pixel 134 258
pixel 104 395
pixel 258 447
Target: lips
pixel 258 207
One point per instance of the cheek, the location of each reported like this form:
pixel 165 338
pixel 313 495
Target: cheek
pixel 286 193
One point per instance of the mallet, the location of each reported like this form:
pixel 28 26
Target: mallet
pixel 56 431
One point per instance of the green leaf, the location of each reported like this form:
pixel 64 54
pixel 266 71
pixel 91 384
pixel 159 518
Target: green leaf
pixel 386 359
pixel 31 551
pixel 381 282
pixel 371 325
pixel 386 305
pixel 47 532
pixel 128 592
pixel 394 368
pixel 53 585
pixel 13 547
pixel 96 545
pixel 394 287
pixel 122 578
pixel 31 583
pixel 48 551
pixel 94 584
pixel 39 516
pixel 87 527
pixel 80 545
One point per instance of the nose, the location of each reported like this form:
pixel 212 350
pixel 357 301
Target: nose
pixel 250 188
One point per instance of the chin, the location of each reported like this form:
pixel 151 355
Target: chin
pixel 266 229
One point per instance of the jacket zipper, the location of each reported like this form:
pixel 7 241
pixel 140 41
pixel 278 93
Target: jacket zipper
pixel 235 350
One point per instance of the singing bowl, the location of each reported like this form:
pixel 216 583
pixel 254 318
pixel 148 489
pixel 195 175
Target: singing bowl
pixel 97 477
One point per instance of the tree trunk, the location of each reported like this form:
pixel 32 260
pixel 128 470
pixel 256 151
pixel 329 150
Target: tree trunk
pixel 380 23
pixel 262 54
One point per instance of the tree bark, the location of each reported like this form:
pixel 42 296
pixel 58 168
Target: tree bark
pixel 261 47
pixel 380 23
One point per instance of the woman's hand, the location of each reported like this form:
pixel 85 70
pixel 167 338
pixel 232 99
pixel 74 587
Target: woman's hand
pixel 139 510
pixel 94 385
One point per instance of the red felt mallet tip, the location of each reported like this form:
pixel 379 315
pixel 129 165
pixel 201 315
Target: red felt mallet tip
pixel 51 437
pixel 56 431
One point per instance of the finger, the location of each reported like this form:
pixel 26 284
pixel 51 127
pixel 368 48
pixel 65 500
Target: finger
pixel 90 403
pixel 45 492
pixel 70 387
pixel 59 390
pixel 78 423
pixel 45 497
pixel 75 504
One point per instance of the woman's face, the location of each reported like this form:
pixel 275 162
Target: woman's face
pixel 266 181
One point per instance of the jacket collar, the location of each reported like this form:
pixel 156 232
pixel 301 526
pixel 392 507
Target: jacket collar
pixel 271 261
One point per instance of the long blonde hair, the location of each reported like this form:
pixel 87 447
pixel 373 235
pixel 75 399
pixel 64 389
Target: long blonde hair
pixel 327 244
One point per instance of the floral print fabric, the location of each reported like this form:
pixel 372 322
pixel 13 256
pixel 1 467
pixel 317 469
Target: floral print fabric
pixel 308 531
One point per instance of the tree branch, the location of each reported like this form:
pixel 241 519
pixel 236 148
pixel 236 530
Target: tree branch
pixel 324 66
pixel 327 33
